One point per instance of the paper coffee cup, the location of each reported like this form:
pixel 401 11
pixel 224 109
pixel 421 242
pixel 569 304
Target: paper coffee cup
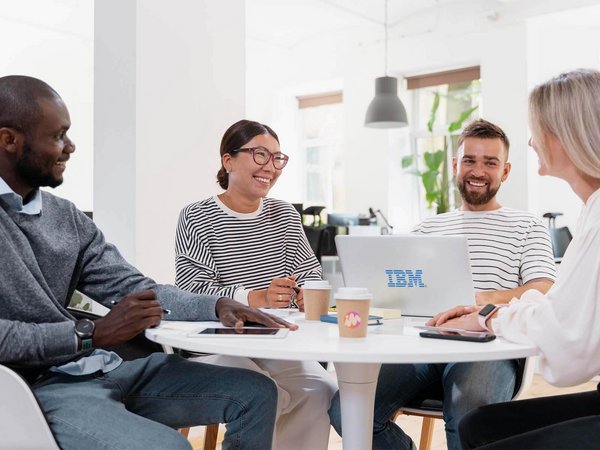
pixel 316 298
pixel 352 306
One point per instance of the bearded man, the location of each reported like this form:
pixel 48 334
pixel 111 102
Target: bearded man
pixel 510 252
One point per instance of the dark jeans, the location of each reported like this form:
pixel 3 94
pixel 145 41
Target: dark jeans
pixel 570 422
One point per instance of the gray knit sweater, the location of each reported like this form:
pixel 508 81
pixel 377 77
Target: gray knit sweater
pixel 43 259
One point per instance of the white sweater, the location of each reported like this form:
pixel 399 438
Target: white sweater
pixel 564 323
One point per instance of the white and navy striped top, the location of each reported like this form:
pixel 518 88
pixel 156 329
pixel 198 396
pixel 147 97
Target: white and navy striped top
pixel 507 247
pixel 219 251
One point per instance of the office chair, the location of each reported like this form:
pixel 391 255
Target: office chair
pixel 315 212
pixel 318 238
pixel 431 409
pixel 560 237
pixel 23 425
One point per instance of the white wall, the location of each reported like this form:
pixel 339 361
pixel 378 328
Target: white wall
pixel 372 156
pixel 172 79
pixel 557 43
pixel 169 81
pixel 512 52
pixel 322 64
pixel 53 41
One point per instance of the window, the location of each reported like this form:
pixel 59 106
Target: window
pixel 458 91
pixel 321 129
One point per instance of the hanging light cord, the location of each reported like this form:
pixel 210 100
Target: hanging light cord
pixel 386 37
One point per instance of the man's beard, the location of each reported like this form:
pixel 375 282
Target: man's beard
pixel 476 198
pixel 30 171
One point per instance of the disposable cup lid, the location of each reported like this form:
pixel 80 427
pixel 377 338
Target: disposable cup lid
pixel 316 284
pixel 352 293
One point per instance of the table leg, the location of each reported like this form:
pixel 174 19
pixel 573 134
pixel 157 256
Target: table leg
pixel 357 382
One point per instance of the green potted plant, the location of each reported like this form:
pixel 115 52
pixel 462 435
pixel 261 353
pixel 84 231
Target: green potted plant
pixel 435 177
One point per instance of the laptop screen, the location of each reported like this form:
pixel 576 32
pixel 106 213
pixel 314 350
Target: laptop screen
pixel 420 275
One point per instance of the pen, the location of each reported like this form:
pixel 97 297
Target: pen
pixel 165 311
pixel 293 298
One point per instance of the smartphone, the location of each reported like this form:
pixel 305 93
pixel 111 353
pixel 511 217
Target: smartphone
pixel 471 336
pixel 242 332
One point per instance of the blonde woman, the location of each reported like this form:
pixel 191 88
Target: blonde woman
pixel 564 115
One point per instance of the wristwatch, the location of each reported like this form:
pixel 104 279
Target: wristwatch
pixel 84 329
pixel 485 313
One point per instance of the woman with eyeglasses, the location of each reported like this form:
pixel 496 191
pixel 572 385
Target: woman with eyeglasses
pixel 247 246
pixel 564 323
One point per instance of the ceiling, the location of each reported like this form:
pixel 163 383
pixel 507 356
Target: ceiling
pixel 288 23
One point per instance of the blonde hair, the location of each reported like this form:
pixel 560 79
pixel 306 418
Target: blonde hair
pixel 568 107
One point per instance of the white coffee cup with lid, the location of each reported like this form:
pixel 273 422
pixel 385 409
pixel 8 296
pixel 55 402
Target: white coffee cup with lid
pixel 352 306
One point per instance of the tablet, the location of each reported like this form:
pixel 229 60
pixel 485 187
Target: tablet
pixel 247 332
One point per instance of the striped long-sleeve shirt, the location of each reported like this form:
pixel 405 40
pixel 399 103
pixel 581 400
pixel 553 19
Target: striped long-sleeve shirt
pixel 220 251
pixel 507 247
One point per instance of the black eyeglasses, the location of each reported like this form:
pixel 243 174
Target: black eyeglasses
pixel 262 156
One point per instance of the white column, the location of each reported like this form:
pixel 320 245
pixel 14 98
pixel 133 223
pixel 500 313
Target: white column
pixel 169 79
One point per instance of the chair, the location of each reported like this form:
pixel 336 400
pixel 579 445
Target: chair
pixel 560 237
pixel 318 237
pixel 315 212
pixel 431 409
pixel 23 425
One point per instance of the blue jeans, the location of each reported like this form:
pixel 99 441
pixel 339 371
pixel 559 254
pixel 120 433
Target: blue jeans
pixel 140 405
pixel 463 386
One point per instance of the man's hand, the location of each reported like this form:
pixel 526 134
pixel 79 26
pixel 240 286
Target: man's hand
pixel 234 314
pixel 484 297
pixel 128 318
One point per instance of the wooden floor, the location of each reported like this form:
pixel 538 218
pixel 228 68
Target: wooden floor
pixel 412 425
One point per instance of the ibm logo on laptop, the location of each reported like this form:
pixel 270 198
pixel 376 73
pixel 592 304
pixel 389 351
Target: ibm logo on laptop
pixel 405 278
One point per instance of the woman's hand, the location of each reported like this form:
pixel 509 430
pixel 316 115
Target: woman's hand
pixel 466 322
pixel 300 299
pixel 453 315
pixel 279 293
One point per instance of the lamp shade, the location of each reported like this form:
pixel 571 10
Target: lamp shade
pixel 386 110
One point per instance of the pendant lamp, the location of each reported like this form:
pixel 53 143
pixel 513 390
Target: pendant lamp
pixel 386 110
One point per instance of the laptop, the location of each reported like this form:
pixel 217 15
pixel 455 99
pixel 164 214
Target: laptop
pixel 420 275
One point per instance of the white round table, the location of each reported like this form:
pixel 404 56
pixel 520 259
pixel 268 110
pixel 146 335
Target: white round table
pixel 357 361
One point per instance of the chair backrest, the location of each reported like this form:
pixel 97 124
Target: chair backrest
pixel 526 377
pixel 561 238
pixel 22 422
pixel 317 238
